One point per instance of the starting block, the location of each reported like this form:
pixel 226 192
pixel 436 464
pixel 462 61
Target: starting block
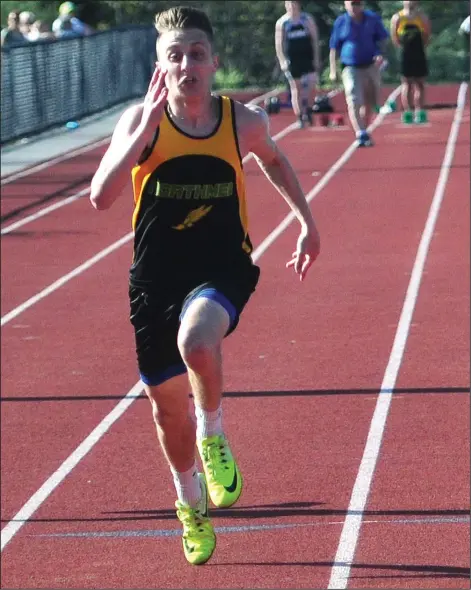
pixel 272 105
pixel 337 121
pixel 328 119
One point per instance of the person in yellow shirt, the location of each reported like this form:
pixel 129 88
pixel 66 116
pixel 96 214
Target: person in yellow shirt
pixel 411 31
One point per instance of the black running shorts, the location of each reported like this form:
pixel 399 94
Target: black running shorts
pixel 156 315
pixel 299 68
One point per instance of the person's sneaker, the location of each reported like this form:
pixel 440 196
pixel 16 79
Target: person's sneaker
pixel 222 474
pixel 364 140
pixel 407 117
pixel 420 116
pixel 199 540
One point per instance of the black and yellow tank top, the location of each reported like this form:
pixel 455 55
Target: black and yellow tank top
pixel 410 30
pixel 190 214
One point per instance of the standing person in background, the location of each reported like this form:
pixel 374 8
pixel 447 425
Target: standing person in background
pixel 11 34
pixel 411 31
pixel 68 12
pixel 297 50
pixel 358 38
pixel 27 19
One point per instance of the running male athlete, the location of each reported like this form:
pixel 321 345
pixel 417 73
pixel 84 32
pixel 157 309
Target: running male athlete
pixel 192 272
pixel 297 49
pixel 410 31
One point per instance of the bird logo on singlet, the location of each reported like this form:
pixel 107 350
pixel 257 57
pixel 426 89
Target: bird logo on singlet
pixel 193 217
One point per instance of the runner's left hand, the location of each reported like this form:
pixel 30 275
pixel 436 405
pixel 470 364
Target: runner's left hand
pixel 307 250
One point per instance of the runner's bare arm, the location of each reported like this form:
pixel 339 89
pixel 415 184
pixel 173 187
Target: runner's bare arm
pixel 132 134
pixel 279 45
pixel 254 136
pixel 113 175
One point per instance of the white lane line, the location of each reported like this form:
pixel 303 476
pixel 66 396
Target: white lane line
pixel 13 226
pixel 28 509
pixel 44 211
pixel 325 179
pixel 57 160
pixel 345 554
pixel 72 461
pixel 94 259
pixel 65 279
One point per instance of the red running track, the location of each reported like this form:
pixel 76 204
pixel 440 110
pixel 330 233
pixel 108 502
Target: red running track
pixel 303 373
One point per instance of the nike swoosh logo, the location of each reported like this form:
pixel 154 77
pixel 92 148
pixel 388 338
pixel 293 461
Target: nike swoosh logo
pixel 232 488
pixel 187 547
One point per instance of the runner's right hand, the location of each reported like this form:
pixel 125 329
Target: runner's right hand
pixel 155 100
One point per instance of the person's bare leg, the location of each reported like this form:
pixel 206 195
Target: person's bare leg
pixel 296 98
pixel 176 431
pixel 203 327
pixel 419 94
pixel 407 94
pixel 311 91
pixel 201 333
pixel 310 94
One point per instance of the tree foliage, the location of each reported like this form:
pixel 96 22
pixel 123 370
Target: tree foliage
pixel 245 28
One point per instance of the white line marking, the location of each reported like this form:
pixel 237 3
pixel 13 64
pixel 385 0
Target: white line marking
pixel 351 529
pixel 65 279
pixel 83 149
pixel 13 226
pixel 57 160
pixel 28 509
pixel 72 461
pixel 323 181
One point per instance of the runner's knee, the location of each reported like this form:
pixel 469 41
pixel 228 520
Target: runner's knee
pixel 197 348
pixel 204 324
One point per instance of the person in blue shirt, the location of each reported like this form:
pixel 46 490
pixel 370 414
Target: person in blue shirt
pixel 358 40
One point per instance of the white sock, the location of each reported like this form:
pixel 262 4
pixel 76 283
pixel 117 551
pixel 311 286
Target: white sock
pixel 208 423
pixel 188 486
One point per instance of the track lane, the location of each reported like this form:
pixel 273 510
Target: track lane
pixel 39 253
pixel 56 323
pixel 339 325
pixel 423 477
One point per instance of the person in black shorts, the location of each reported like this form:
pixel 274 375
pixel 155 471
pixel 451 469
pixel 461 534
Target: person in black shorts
pixel 410 31
pixel 297 49
pixel 192 272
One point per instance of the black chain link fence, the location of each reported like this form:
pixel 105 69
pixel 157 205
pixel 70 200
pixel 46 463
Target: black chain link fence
pixel 48 83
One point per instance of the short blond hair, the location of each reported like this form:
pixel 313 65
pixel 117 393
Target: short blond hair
pixel 181 18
